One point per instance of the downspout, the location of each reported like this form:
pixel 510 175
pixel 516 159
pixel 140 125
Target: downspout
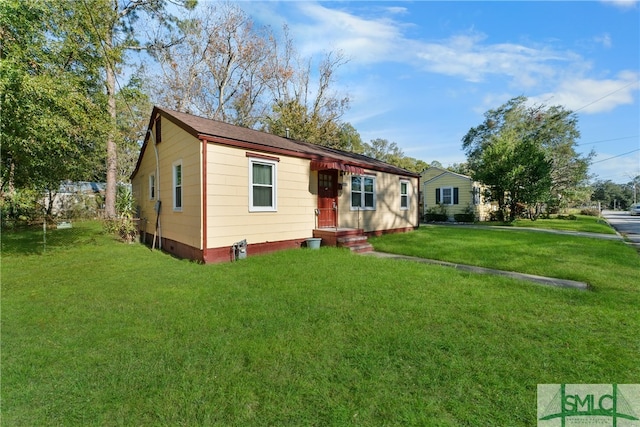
pixel 423 199
pixel 155 149
pixel 157 206
pixel 204 200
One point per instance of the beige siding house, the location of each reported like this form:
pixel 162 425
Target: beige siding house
pixel 203 186
pixel 454 193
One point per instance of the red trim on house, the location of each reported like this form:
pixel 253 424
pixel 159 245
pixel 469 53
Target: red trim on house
pixel 390 231
pixel 317 165
pixel 179 250
pixel 222 254
pixel 225 254
pixel 262 156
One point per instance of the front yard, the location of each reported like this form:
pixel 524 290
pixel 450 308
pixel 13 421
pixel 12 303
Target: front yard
pixel 102 333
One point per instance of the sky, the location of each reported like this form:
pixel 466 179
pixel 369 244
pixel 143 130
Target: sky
pixel 422 73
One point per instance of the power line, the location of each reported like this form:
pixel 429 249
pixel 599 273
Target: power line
pixel 606 140
pixel 619 155
pixel 607 95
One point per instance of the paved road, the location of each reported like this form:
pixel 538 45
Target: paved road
pixel 625 224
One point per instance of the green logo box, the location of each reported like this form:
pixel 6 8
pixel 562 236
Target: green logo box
pixel 566 405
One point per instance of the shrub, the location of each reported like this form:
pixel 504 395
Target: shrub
pixel 125 225
pixel 567 217
pixel 436 214
pixel 435 217
pixel 464 217
pixel 497 215
pixel 21 206
pixel 590 212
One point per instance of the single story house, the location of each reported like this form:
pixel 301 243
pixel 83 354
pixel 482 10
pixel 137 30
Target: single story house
pixel 454 193
pixel 205 188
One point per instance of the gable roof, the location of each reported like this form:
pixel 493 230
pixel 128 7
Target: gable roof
pixel 215 131
pixel 445 172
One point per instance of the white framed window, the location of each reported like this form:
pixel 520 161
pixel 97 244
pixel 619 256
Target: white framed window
pixel 404 195
pixel 262 185
pixel 177 186
pixel 447 196
pixel 152 186
pixel 363 192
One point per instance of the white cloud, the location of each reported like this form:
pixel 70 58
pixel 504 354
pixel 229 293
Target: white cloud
pixel 468 57
pixel 604 40
pixel 368 41
pixel 561 77
pixel 362 40
pixel 593 95
pixel 396 10
pixel 622 4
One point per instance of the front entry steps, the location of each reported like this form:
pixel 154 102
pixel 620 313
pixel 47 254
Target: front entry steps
pixel 357 244
pixel 351 238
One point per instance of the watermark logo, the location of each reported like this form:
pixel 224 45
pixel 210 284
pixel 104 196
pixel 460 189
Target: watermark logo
pixel 566 405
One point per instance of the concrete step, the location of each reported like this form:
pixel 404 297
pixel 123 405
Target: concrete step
pixel 361 249
pixel 357 244
pixel 351 240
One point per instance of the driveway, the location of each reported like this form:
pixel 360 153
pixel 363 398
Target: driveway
pixel 625 224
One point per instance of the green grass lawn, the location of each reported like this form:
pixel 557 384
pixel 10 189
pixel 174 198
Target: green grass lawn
pixel 583 223
pixel 600 263
pixel 103 333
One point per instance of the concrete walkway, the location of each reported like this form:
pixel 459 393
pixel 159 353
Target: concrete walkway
pixel 540 280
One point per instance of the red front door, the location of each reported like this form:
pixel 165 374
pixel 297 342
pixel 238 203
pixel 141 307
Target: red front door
pixel 327 198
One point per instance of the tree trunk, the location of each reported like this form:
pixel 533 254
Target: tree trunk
pixel 112 161
pixel 513 211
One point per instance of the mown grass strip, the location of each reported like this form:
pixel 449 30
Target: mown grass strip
pixel 581 223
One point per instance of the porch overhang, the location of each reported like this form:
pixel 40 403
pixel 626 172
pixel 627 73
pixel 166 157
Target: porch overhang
pixel 318 165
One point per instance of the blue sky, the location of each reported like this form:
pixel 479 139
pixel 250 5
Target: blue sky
pixel 422 73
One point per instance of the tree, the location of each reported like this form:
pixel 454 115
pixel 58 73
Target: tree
pixel 312 115
pixel 133 106
pixel 461 168
pixel 525 154
pixel 612 195
pixel 350 139
pixel 383 150
pixel 52 105
pixel 116 26
pixel 389 152
pixel 222 70
pixel 557 131
pixel 230 69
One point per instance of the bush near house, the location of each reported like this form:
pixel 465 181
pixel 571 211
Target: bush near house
pixel 437 214
pixel 467 216
pixel 463 217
